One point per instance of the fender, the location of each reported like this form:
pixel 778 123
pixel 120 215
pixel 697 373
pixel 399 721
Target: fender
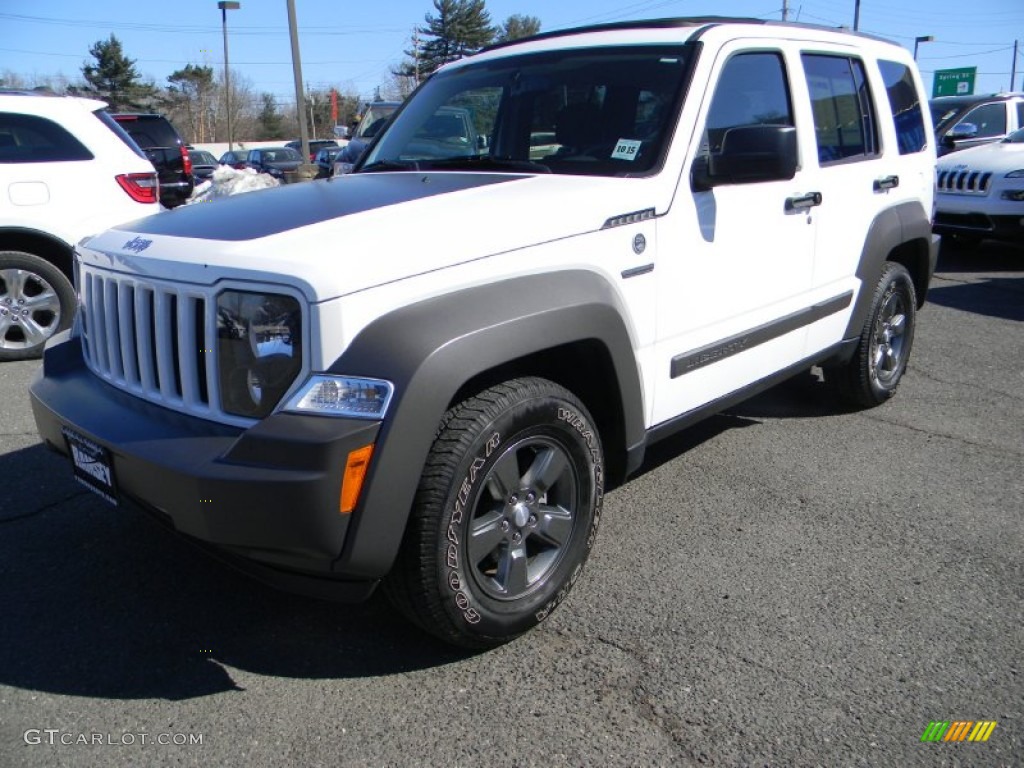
pixel 891 229
pixel 428 350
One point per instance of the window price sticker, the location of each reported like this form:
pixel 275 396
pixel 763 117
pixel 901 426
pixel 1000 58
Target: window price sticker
pixel 626 149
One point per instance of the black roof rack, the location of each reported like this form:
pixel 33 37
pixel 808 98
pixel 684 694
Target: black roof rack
pixel 684 21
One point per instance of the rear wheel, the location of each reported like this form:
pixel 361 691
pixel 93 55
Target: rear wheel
pixel 36 301
pixel 505 515
pixel 877 367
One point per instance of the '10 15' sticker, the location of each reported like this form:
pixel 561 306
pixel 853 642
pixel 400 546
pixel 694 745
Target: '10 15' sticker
pixel 626 149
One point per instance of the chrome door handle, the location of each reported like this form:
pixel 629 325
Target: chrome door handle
pixel 800 202
pixel 886 182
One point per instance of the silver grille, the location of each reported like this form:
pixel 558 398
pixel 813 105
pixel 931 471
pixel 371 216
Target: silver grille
pixel 966 182
pixel 152 339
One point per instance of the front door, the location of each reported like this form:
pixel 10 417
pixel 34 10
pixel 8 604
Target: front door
pixel 735 262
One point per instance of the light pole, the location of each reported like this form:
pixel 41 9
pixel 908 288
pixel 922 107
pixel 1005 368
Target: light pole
pixel 226 6
pixel 922 39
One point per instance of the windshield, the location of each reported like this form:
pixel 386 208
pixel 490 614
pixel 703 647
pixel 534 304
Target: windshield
pixel 374 119
pixel 282 155
pixel 942 114
pixel 591 111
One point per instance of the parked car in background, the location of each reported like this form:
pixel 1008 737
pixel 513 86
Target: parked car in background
pixel 375 117
pixel 277 161
pixel 324 161
pixel 980 192
pixel 962 122
pixel 203 164
pixel 163 146
pixel 67 170
pixel 315 145
pixel 236 159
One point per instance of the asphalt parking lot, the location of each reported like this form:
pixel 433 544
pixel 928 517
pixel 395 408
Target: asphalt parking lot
pixel 786 584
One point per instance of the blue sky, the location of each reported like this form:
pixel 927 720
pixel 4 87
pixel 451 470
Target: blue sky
pixel 352 45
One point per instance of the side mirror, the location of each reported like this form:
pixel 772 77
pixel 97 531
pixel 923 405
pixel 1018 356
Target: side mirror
pixel 749 154
pixel 962 131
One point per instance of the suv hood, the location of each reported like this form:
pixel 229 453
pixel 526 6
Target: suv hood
pixel 1001 157
pixel 346 234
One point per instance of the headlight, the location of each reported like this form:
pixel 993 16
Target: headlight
pixel 1018 174
pixel 347 396
pixel 259 350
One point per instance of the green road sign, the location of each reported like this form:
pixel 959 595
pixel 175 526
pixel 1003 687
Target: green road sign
pixel 954 82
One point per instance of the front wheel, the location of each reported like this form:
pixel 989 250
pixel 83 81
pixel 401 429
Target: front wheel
pixel 880 360
pixel 505 514
pixel 36 301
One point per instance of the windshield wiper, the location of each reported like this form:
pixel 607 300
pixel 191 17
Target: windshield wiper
pixel 390 165
pixel 487 163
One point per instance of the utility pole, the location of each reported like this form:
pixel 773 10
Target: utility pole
pixel 416 55
pixel 312 119
pixel 785 10
pixel 856 15
pixel 293 29
pixel 1013 67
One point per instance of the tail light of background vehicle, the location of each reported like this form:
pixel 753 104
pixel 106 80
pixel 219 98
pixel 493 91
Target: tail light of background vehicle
pixel 141 187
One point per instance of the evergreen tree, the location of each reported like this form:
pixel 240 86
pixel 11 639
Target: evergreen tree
pixel 459 28
pixel 191 97
pixel 269 119
pixel 517 26
pixel 114 78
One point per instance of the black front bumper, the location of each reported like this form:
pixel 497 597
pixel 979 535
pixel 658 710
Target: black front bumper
pixel 981 225
pixel 267 497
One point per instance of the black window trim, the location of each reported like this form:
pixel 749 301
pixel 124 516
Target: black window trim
pixel 868 101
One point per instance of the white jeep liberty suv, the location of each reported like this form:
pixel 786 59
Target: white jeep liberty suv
pixel 429 372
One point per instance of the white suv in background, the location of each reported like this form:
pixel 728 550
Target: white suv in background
pixel 980 192
pixel 67 170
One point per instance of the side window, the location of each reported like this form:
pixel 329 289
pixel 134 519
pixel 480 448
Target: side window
pixel 905 106
pixel 1020 114
pixel 844 121
pixel 752 90
pixel 31 139
pixel 989 119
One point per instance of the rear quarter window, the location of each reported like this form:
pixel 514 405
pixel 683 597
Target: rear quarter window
pixel 149 132
pixel 33 139
pixel 905 104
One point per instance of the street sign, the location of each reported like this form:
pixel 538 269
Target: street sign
pixel 954 82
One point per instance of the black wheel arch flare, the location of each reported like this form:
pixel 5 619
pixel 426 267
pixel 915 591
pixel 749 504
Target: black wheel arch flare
pixel 901 233
pixel 430 349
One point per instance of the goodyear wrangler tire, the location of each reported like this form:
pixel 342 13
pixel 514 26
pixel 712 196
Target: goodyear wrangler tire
pixel 877 367
pixel 505 514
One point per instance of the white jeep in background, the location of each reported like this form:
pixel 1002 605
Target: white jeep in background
pixel 428 372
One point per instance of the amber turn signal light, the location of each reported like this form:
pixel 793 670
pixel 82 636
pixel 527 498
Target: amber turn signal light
pixel 355 472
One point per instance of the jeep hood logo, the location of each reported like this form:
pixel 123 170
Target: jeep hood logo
pixel 137 244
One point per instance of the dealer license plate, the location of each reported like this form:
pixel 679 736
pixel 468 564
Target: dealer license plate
pixel 92 465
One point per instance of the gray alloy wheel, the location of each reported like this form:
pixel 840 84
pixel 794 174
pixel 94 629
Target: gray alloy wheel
pixel 874 372
pixel 889 340
pixel 36 301
pixel 505 515
pixel 522 520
